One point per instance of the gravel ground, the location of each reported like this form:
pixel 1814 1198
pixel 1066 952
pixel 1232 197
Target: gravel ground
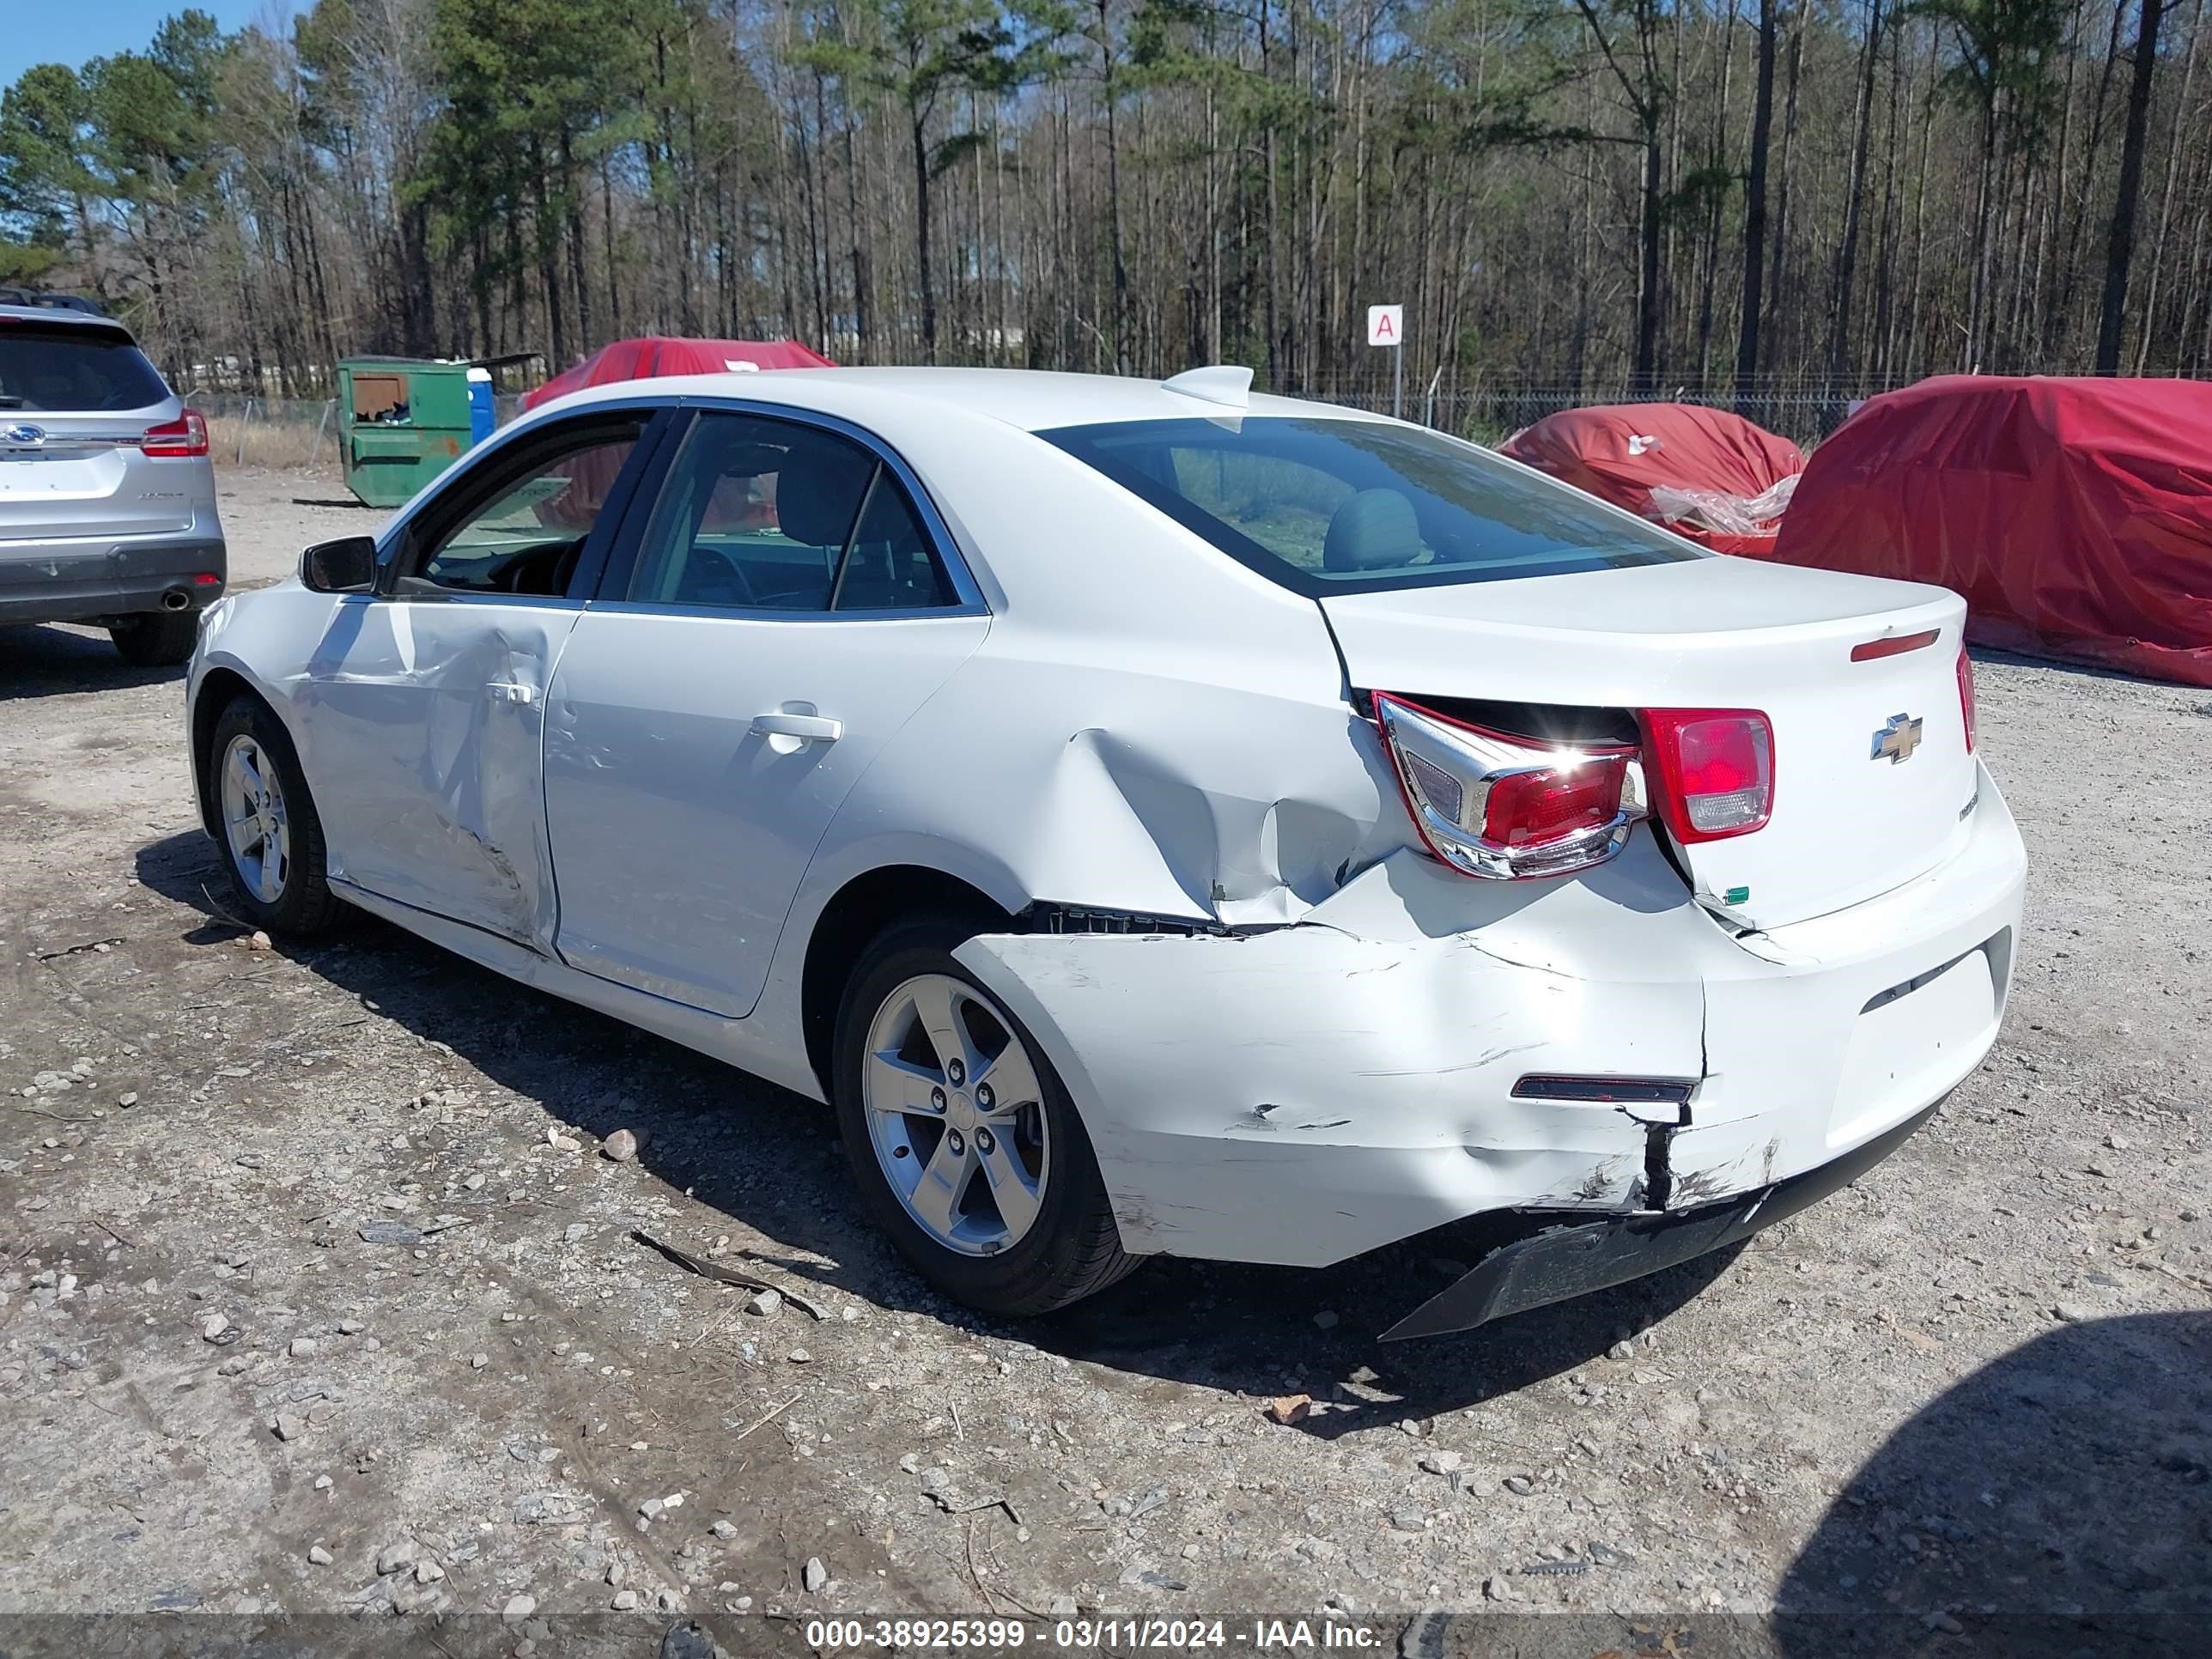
pixel 321 1294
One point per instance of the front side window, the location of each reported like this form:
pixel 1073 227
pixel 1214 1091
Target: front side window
pixel 521 528
pixel 1324 506
pixel 759 513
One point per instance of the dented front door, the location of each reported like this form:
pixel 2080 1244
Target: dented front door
pixel 422 725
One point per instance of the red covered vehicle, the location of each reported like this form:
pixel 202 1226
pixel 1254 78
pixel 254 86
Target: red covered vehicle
pixel 736 505
pixel 2075 515
pixel 654 354
pixel 1707 474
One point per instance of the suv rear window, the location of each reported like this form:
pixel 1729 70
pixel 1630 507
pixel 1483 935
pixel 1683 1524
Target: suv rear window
pixel 1323 506
pixel 61 367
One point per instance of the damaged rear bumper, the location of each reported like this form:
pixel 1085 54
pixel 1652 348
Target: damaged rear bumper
pixel 1302 1095
pixel 1562 1262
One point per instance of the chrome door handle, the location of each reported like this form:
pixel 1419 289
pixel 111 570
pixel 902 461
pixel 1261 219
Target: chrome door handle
pixel 813 728
pixel 512 691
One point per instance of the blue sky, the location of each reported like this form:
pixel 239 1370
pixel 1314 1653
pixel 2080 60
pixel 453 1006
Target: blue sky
pixel 71 30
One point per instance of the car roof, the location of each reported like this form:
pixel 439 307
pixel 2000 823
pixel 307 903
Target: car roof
pixel 1028 399
pixel 66 317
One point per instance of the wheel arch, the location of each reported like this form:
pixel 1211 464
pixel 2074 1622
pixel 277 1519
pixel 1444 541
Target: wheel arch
pixel 218 688
pixel 859 910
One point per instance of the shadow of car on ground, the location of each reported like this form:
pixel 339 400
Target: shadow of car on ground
pixel 2055 1502
pixel 772 1160
pixel 37 660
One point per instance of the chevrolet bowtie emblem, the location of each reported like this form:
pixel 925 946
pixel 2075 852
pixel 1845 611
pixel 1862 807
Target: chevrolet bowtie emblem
pixel 1897 739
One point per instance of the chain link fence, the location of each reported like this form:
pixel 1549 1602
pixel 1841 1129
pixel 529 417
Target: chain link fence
pixel 305 432
pixel 1802 411
pixel 286 432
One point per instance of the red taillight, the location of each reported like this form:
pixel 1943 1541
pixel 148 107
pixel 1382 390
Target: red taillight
pixel 1716 771
pixel 1488 804
pixel 1966 695
pixel 1528 809
pixel 177 439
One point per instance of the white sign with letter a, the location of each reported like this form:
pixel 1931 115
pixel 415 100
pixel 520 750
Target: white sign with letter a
pixel 1386 325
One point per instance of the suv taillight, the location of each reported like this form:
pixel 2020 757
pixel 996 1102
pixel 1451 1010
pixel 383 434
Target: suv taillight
pixel 180 439
pixel 1490 805
pixel 1966 695
pixel 1713 770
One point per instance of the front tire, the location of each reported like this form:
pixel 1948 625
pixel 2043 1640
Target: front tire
pixel 961 1135
pixel 159 638
pixel 267 826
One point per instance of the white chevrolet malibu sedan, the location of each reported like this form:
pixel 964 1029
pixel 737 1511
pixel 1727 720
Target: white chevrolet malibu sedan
pixel 1159 819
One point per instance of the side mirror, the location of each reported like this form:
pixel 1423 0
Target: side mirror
pixel 347 565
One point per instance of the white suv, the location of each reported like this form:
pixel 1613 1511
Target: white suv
pixel 107 507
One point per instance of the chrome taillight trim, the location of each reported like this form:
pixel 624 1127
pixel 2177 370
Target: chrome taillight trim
pixel 57 443
pixel 1479 760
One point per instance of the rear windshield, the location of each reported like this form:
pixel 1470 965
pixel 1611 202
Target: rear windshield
pixel 62 367
pixel 1322 505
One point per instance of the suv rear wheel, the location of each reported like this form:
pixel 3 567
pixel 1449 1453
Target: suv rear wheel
pixel 961 1135
pixel 159 638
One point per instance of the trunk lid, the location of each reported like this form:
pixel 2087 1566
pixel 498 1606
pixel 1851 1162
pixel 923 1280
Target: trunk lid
pixel 1722 633
pixel 76 396
pixel 68 476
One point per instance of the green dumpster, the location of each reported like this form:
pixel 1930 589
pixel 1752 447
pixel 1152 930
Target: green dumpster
pixel 406 420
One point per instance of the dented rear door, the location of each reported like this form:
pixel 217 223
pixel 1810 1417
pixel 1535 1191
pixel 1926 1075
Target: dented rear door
pixel 766 623
pixel 681 823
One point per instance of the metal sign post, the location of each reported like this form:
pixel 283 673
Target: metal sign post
pixel 1386 326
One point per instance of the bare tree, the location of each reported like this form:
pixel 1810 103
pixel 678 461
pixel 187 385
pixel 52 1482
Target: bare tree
pixel 2120 243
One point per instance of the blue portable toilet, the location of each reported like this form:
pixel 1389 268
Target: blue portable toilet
pixel 482 416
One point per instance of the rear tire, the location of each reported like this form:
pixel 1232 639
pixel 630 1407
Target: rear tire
pixel 266 824
pixel 158 639
pixel 1052 1240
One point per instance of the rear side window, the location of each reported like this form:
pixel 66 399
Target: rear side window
pixel 1326 506
pixel 62 368
pixel 762 514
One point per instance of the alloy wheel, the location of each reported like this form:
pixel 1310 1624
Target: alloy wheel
pixel 254 825
pixel 956 1115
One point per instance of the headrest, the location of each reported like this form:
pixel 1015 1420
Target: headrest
pixel 817 491
pixel 1373 530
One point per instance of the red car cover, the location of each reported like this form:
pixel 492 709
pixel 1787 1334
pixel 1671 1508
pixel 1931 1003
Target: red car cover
pixel 1704 473
pixel 641 360
pixel 2075 515
pixel 593 474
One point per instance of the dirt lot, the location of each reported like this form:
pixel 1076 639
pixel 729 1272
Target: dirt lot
pixel 302 1309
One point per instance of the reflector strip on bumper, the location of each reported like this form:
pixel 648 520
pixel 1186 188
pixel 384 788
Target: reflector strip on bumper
pixel 1611 1090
